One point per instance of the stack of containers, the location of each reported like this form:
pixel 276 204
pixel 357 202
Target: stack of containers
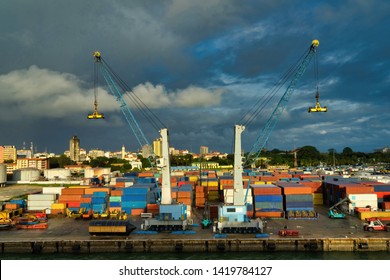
pixel 316 190
pixel 40 202
pixel 86 202
pixel 15 204
pixel 56 208
pixel 71 197
pixel 115 200
pixel 135 199
pixel 193 177
pixel 226 182
pixel 152 208
pixel 333 188
pixel 297 200
pixel 383 193
pixel 268 201
pixel 200 196
pixel 124 182
pixel 183 194
pixel 212 188
pixel 226 186
pixel 99 202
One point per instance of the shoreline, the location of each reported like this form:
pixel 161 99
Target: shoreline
pixel 196 245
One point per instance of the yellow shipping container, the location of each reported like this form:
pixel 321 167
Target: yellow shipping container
pixel 212 183
pixel 373 214
pixel 263 183
pixel 58 206
pixel 80 186
pixel 193 178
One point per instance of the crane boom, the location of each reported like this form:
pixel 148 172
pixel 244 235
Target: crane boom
pixel 274 118
pixel 113 87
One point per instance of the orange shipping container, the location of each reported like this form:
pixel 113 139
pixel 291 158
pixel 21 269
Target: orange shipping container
pixel 11 206
pixel 69 197
pixel 116 192
pixel 183 194
pixel 152 207
pixel 357 189
pixel 71 191
pixel 85 199
pixel 276 214
pixel 137 212
pixel 184 200
pixel 145 174
pixel 296 190
pixel 112 209
pixel 57 211
pixel 92 190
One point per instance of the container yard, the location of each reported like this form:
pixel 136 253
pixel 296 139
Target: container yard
pixel 285 202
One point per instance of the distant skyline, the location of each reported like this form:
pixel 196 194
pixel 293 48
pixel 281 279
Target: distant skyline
pixel 199 66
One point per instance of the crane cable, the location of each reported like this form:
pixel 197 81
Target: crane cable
pixel 140 105
pixel 263 101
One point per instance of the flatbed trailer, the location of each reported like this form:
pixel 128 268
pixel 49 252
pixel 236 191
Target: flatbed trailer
pixel 253 226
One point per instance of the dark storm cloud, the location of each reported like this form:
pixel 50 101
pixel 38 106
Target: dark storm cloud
pixel 199 65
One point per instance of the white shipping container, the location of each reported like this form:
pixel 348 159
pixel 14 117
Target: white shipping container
pixel 113 181
pixel 52 190
pixel 228 195
pixel 36 208
pixel 38 203
pixel 42 197
pixel 363 200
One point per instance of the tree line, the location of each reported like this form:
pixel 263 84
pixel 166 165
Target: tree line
pixel 304 156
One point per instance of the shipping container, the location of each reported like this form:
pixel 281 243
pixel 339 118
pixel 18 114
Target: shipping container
pixel 110 227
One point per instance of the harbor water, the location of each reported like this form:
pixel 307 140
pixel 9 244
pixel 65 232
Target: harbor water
pixel 208 256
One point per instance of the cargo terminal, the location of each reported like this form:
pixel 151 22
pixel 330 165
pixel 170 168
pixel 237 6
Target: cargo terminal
pixel 293 206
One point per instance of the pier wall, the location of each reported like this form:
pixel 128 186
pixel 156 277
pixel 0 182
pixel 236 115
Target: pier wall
pixel 196 245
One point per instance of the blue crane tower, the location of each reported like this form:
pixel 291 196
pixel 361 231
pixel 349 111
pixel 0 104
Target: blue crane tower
pixel 265 133
pixel 232 218
pixel 171 216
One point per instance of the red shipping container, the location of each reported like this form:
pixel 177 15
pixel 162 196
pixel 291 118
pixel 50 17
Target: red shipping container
pixel 73 204
pixel 265 190
pixel 386 205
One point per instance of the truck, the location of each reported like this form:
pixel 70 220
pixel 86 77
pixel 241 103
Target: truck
pixel 374 224
pixel 334 212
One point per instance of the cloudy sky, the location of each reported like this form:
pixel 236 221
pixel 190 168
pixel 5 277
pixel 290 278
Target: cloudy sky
pixel 199 66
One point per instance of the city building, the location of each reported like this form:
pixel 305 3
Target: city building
pixel 204 150
pixel 38 163
pixel 157 147
pixel 8 154
pixel 95 153
pixel 74 149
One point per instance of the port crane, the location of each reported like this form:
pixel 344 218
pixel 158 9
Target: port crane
pixel 171 216
pixel 96 114
pixel 296 73
pixel 233 218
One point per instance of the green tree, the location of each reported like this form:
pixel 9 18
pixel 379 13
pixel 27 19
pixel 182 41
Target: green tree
pixel 60 162
pixel 309 156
